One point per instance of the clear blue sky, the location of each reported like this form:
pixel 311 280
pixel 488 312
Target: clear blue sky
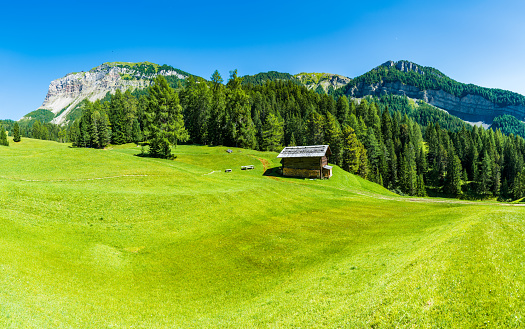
pixel 480 42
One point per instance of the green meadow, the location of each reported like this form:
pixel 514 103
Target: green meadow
pixel 109 239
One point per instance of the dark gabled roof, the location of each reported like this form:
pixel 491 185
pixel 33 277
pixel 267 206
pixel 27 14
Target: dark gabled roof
pixel 305 151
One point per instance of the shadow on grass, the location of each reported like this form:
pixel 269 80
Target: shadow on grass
pixel 273 172
pixel 276 172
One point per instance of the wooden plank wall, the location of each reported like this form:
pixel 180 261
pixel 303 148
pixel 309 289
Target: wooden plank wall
pixel 302 163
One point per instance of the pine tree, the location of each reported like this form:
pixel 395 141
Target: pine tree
pixel 164 119
pixel 315 128
pixel 16 133
pixel 352 150
pixel 117 118
pixel 454 173
pixel 485 177
pixel 3 137
pixel 342 109
pixel 136 132
pixel 333 137
pixel 292 141
pixel 373 150
pixel 421 190
pixel 239 126
pixel 363 164
pixel 272 133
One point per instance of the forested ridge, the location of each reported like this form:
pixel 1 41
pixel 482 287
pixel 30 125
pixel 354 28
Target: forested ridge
pixel 428 78
pixel 410 148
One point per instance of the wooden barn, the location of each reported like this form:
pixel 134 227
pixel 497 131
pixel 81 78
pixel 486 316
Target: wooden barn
pixel 306 161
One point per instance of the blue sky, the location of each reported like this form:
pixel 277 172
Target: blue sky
pixel 480 42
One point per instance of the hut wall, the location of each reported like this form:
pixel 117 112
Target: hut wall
pixel 294 172
pixel 302 163
pixel 324 161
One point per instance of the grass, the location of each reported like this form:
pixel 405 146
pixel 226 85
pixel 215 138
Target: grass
pixel 107 239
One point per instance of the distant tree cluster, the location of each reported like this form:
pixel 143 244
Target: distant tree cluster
pixel 508 124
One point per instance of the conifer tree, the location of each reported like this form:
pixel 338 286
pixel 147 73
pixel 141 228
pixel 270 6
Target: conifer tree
pixel 352 150
pixel 333 137
pixel 136 132
pixel 16 133
pixel 272 133
pixel 453 179
pixel 164 119
pixel 342 109
pixel 421 190
pixel 240 127
pixel 117 118
pixel 315 128
pixel 3 137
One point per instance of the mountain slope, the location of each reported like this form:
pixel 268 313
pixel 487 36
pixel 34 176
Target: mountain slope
pixel 326 82
pixel 67 92
pixel 467 101
pixel 320 82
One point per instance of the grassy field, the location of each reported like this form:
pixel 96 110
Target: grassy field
pixel 107 239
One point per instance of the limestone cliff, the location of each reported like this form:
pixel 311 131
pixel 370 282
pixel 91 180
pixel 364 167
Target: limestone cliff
pixel 67 92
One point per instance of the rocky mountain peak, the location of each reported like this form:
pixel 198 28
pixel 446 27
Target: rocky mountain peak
pixel 404 66
pixel 67 92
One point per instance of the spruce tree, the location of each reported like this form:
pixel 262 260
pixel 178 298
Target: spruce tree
pixel 352 150
pixel 16 133
pixel 342 109
pixel 164 119
pixel 315 128
pixel 3 137
pixel 333 137
pixel 272 133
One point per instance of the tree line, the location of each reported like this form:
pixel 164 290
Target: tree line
pixel 410 148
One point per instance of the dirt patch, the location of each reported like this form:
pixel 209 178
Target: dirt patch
pixel 265 163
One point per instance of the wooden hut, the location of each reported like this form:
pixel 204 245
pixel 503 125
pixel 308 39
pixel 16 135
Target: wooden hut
pixel 306 161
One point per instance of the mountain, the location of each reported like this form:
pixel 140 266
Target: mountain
pixel 326 82
pixel 320 82
pixel 66 93
pixel 466 101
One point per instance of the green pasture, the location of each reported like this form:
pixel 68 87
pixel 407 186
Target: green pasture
pixel 109 239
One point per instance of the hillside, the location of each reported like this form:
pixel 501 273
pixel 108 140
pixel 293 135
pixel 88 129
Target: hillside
pixel 104 238
pixel 467 101
pixel 320 82
pixel 66 93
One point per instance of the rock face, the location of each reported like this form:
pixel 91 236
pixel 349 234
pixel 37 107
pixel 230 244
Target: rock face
pixel 325 80
pixel 67 92
pixel 469 108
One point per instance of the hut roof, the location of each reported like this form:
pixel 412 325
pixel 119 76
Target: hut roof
pixel 305 151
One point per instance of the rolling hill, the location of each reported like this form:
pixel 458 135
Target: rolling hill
pixel 106 238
